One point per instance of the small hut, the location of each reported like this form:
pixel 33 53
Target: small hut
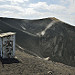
pixel 7 45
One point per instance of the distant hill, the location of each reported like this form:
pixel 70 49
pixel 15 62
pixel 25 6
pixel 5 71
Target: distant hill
pixel 48 37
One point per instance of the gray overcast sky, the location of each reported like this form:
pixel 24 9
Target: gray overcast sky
pixel 35 9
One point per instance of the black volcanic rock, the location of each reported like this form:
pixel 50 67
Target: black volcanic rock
pixel 47 37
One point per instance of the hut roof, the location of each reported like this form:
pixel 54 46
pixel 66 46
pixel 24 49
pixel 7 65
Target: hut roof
pixel 6 34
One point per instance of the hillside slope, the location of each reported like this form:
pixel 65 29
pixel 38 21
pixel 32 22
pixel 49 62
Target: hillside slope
pixel 26 64
pixel 47 37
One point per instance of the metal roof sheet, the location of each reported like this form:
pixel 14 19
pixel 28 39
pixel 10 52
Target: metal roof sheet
pixel 6 34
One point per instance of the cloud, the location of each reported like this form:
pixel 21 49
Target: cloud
pixel 55 7
pixel 11 7
pixel 18 11
pixel 10 14
pixel 19 1
pixel 1 0
pixel 71 7
pixel 31 11
pixel 14 1
pixel 44 6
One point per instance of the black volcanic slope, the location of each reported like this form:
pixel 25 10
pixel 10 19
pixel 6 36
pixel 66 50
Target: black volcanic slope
pixel 26 64
pixel 47 37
